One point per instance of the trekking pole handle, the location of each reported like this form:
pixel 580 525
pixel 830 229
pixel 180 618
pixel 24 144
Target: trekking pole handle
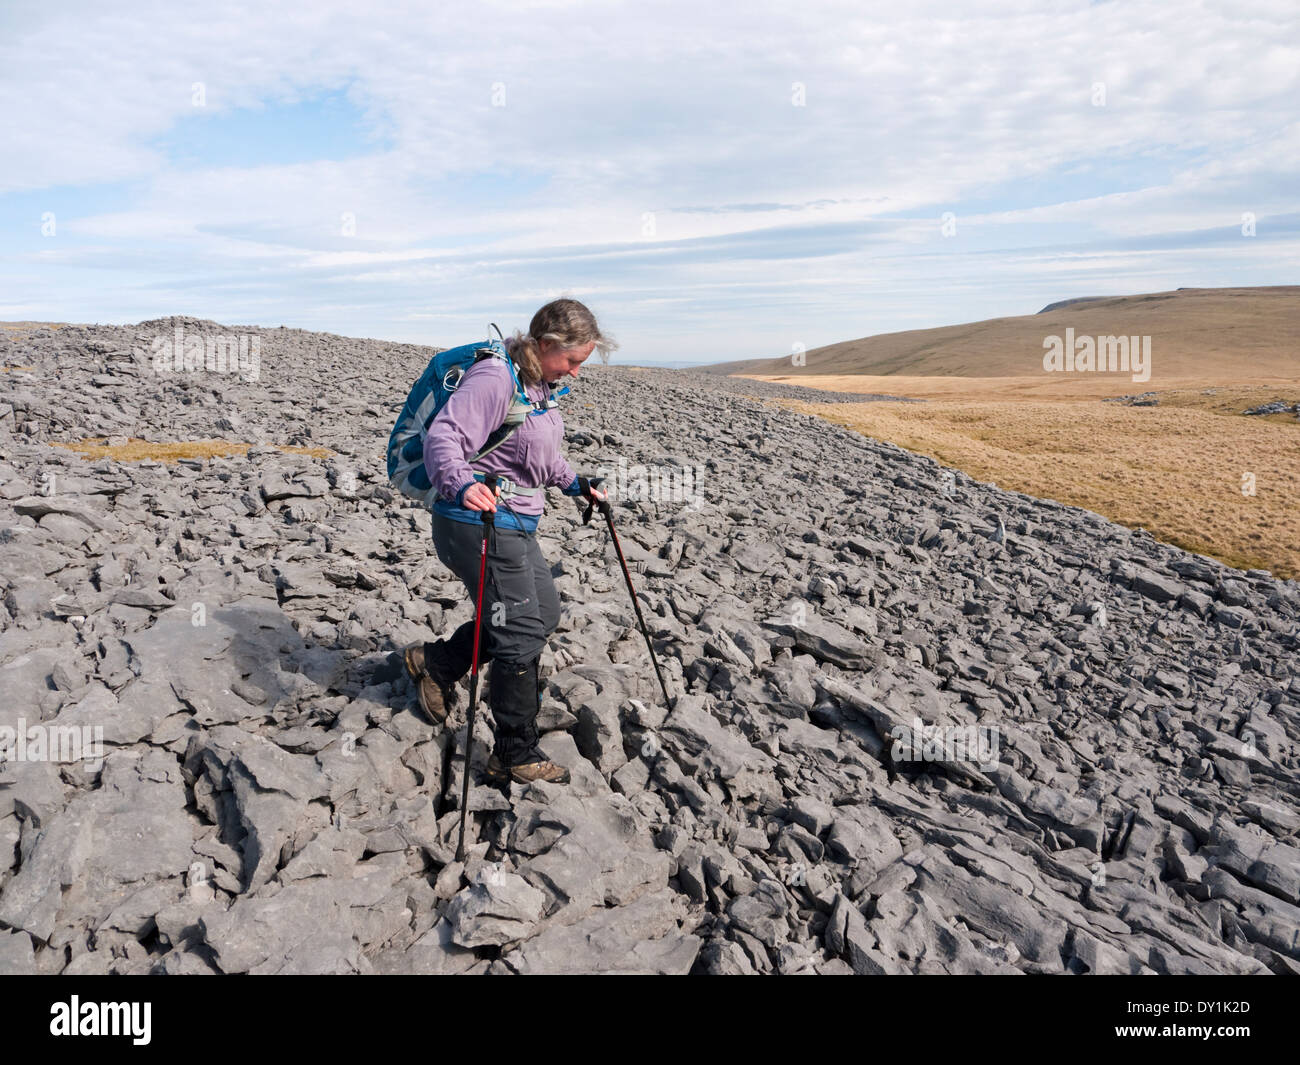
pixel 593 503
pixel 490 483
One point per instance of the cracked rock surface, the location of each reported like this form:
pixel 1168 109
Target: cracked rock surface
pixel 268 799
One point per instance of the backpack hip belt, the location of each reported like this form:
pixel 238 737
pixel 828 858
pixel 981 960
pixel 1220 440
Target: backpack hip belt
pixel 508 487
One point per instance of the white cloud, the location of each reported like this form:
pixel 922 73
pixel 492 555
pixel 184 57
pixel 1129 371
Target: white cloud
pixel 620 111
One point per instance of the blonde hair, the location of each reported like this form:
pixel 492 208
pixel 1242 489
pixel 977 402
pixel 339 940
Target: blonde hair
pixel 567 322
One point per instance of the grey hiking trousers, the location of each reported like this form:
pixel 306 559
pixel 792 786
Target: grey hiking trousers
pixel 520 605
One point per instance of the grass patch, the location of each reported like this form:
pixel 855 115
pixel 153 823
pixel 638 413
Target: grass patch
pixel 27 327
pixel 173 451
pixel 1175 470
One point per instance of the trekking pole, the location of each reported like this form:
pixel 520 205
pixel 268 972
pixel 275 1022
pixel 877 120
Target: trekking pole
pixel 490 480
pixel 608 513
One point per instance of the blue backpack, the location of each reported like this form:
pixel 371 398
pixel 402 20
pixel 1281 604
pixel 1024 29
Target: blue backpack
pixel 429 395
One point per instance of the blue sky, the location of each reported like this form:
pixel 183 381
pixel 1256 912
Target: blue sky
pixel 714 183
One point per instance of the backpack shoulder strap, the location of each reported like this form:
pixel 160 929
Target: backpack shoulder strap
pixel 519 407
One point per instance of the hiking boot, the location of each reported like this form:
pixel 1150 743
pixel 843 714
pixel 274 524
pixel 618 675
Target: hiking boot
pixel 515 697
pixel 437 694
pixel 527 772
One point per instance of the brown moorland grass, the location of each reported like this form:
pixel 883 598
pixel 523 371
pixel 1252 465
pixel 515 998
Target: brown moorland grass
pixel 1230 334
pixel 1059 387
pixel 1175 469
pixel 173 451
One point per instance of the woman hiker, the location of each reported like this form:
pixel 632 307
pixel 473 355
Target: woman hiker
pixel 520 605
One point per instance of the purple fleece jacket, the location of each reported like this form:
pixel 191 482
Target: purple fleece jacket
pixel 530 457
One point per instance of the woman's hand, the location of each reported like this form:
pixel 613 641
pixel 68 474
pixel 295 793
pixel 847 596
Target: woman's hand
pixel 479 497
pixel 589 491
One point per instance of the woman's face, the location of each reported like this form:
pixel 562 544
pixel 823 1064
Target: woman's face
pixel 560 362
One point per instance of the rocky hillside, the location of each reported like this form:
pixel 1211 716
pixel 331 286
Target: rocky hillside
pixel 269 799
